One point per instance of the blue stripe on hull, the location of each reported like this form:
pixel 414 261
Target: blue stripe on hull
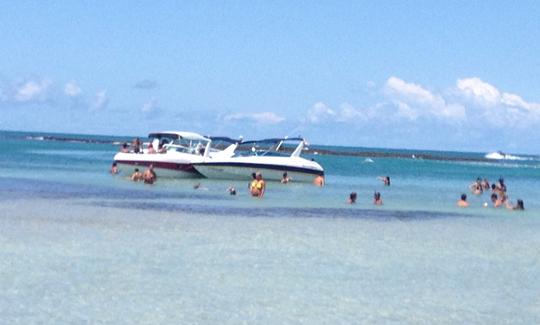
pixel 263 166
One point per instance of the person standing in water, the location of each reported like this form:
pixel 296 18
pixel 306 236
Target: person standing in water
pixel 253 181
pixel 149 176
pixel 519 205
pixel 114 168
pixel 462 203
pixel 258 186
pixel 137 175
pixel 352 198
pixel 377 200
pixel 285 179
pixel 319 181
pixel 385 180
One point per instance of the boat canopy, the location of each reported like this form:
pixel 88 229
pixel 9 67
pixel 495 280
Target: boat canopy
pixel 272 140
pixel 225 139
pixel 179 135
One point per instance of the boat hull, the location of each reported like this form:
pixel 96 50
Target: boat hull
pixel 165 165
pixel 169 170
pixel 243 171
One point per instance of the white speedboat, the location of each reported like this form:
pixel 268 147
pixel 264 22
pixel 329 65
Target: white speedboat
pixel 272 162
pixel 499 155
pixel 172 154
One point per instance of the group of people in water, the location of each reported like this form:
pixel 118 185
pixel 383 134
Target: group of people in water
pixel 498 196
pixel 377 198
pixel 257 188
pixel 148 176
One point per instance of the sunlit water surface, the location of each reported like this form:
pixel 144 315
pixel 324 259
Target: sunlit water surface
pixel 82 246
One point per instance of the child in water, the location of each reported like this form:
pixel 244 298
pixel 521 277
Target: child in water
pixel 352 198
pixel 377 200
pixel 114 168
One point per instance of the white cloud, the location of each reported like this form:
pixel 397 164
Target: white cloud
pixel 319 112
pixel 421 101
pixel 498 108
pixel 514 101
pixel 72 89
pixel 32 91
pixel 482 92
pixel 404 110
pixel 471 102
pixel 100 101
pixel 488 95
pixel 410 91
pixel 348 112
pixel 263 117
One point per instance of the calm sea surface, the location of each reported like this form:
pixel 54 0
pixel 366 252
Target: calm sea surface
pixel 79 245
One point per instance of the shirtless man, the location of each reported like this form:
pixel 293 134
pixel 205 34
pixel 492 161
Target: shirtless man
pixel 319 181
pixel 462 203
pixel 137 175
pixel 149 176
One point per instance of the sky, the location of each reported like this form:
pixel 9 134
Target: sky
pixel 443 75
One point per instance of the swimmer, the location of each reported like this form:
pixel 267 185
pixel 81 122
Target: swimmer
pixel 462 203
pixel 476 188
pixel 377 200
pixel 501 186
pixel 495 200
pixel 114 168
pixel 352 198
pixel 137 175
pixel 285 179
pixel 258 186
pixel 253 181
pixel 485 184
pixel 519 205
pixel 231 190
pixel 149 176
pixel 319 181
pixel 385 180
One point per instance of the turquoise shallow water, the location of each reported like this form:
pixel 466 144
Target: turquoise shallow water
pixel 82 246
pixel 417 185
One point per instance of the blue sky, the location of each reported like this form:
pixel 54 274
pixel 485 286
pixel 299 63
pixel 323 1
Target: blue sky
pixel 457 75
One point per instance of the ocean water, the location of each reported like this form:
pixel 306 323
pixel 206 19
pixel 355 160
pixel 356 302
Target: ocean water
pixel 82 246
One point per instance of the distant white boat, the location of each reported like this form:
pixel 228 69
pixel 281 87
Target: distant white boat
pixel 499 155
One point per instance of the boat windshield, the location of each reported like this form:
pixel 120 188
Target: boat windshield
pixel 176 142
pixel 277 147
